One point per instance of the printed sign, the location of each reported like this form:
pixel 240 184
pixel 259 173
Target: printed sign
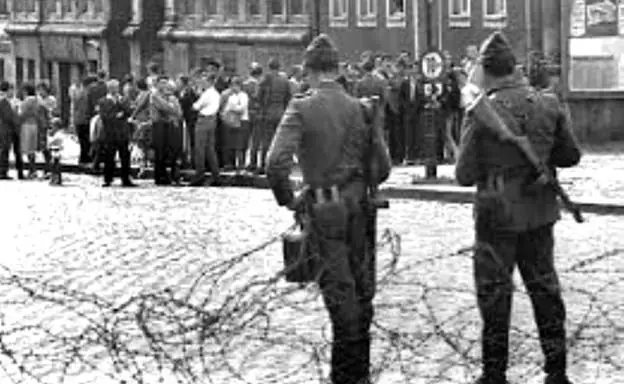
pixel 602 17
pixel 432 65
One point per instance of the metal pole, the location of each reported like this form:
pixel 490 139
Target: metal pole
pixel 431 168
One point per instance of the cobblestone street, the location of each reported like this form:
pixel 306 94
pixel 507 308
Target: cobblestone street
pixel 117 243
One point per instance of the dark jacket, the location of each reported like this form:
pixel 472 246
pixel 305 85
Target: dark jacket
pixel 546 124
pixel 114 115
pixel 274 94
pixel 315 127
pixel 8 121
pixel 187 98
pixel 95 93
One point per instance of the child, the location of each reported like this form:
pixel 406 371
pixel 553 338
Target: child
pixel 55 146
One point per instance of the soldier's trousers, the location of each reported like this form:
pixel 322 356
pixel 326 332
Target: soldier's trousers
pixel 532 251
pixel 348 287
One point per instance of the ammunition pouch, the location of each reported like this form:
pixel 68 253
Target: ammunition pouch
pixel 325 217
pixel 492 208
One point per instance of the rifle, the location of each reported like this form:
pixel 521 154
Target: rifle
pixel 485 113
pixel 370 108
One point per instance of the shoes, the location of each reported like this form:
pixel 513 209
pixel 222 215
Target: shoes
pixel 557 378
pixel 128 184
pixel 492 379
pixel 20 176
pixel 197 182
pixel 5 177
pixel 106 185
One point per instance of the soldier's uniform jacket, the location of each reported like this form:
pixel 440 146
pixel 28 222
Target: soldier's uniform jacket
pixel 545 122
pixel 314 127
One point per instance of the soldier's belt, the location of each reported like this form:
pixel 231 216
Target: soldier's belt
pixel 325 195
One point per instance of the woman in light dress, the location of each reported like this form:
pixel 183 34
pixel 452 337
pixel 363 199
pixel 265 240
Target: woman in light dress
pixel 235 118
pixel 33 119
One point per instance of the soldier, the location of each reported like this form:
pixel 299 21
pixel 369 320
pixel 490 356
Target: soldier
pixel 514 217
pixel 326 130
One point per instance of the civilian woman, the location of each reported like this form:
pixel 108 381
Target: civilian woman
pixel 235 117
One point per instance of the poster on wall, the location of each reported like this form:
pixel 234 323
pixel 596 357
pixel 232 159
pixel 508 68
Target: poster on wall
pixel 577 18
pixel 601 18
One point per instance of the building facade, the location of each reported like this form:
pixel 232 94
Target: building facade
pixel 389 26
pixel 145 47
pixel 6 47
pixel 60 40
pixel 236 32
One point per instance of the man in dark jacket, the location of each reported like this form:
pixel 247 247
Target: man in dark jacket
pixel 9 134
pixel 187 97
pixel 411 103
pixel 114 111
pixel 274 95
pixel 95 93
pixel 82 119
pixel 327 130
pixel 514 216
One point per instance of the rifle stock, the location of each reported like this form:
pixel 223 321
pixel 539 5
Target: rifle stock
pixel 485 113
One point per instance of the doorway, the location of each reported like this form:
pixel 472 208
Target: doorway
pixel 64 83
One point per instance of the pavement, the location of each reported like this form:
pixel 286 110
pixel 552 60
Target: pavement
pixel 117 244
pixel 595 185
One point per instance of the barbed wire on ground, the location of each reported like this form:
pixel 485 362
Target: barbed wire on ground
pixel 266 331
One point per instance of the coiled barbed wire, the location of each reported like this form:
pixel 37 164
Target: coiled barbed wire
pixel 198 335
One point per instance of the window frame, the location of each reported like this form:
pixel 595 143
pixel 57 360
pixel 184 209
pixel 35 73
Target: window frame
pixel 370 19
pixel 495 20
pixel 256 19
pixel 7 7
pixel 463 19
pixel 217 18
pixel 277 18
pixel 341 21
pixel 399 21
pixel 303 18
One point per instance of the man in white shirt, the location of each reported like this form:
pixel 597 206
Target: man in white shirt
pixel 207 107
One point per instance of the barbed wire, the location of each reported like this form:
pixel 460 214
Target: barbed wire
pixel 267 331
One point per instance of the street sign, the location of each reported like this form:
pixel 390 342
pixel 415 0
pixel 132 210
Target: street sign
pixel 432 65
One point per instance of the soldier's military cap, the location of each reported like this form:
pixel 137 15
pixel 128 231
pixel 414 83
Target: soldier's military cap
pixel 496 48
pixel 321 54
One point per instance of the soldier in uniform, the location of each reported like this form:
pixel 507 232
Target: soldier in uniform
pixel 326 130
pixel 514 217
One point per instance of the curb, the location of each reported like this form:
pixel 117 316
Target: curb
pixel 432 192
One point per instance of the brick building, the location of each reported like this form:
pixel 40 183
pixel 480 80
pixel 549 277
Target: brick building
pixel 237 32
pixel 389 26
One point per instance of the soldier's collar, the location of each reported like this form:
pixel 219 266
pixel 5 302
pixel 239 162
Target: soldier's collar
pixel 329 84
pixel 511 81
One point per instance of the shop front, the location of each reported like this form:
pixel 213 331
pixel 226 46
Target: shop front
pixel 67 53
pixel 593 66
pixel 235 48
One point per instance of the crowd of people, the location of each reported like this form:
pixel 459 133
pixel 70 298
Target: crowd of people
pixel 209 120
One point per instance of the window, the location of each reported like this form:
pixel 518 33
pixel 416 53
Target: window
pixel 2 69
pixel 98 6
pixel 495 8
pixel 277 7
pixel 298 7
pixel 459 13
pixel 50 8
pixel 494 13
pixel 211 8
pixel 32 68
pixel 67 6
pixel 185 7
pixel 24 5
pixel 367 13
pixel 254 11
pixel 231 10
pixel 338 13
pixel 80 7
pixel 395 14
pixel 19 71
pixel 93 66
pixel 4 10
